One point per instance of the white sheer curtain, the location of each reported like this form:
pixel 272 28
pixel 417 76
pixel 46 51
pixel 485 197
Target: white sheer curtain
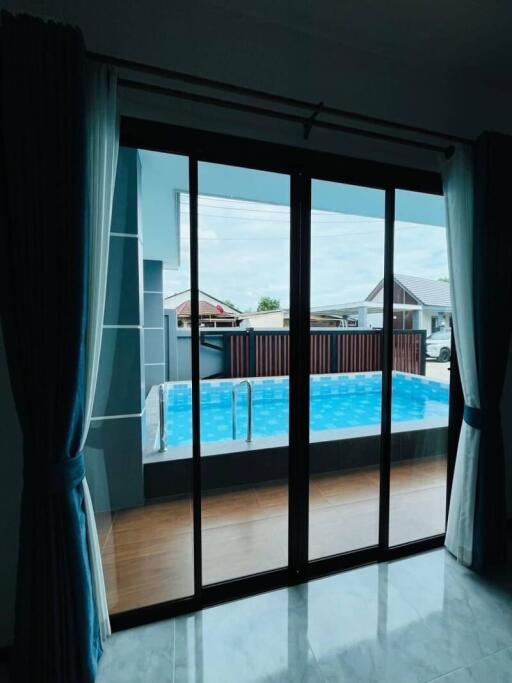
pixel 102 152
pixel 458 191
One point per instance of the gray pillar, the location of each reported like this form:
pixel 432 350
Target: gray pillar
pixel 154 347
pixel 172 344
pixel 115 442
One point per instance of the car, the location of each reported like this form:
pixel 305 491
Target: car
pixel 439 345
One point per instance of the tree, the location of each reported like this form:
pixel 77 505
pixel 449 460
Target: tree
pixel 267 303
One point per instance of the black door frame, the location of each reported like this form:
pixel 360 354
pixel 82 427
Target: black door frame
pixel 302 166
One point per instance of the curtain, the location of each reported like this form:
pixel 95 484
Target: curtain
pixel 43 298
pixel 493 298
pixel 102 150
pixel 458 190
pixel 476 186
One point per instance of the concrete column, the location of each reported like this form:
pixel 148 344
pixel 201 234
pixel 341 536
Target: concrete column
pixel 154 347
pixel 172 344
pixel 115 443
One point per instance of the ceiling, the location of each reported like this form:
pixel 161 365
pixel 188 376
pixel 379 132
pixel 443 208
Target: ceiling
pixel 443 65
pixel 470 37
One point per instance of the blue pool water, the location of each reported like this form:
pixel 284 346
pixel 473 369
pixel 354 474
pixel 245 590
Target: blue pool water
pixel 336 401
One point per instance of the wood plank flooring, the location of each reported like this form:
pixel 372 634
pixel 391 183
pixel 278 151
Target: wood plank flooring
pixel 148 554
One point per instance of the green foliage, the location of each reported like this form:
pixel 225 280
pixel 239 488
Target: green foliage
pixel 267 303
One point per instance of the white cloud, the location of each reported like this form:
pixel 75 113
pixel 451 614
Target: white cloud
pixel 244 252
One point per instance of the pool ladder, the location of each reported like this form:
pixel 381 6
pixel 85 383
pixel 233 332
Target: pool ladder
pixel 249 408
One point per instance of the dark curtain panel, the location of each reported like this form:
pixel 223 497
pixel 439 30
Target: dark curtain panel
pixel 43 303
pixel 493 289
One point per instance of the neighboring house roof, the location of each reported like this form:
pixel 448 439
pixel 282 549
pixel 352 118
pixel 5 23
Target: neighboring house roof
pixel 205 308
pixel 168 301
pixel 428 292
pixel 425 291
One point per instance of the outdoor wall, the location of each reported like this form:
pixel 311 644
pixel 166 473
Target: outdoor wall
pixel 211 361
pixel 154 358
pixel 163 177
pixel 114 446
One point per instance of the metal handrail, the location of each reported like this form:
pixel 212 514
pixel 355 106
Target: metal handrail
pixel 249 408
pixel 162 417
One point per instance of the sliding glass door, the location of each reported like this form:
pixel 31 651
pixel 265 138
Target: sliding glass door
pixel 278 341
pixel 347 267
pixel 243 304
pixel 421 369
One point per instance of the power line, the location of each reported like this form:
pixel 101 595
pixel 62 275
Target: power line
pixel 313 235
pixel 285 210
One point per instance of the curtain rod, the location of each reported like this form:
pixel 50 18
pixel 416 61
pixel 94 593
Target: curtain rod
pixel 307 123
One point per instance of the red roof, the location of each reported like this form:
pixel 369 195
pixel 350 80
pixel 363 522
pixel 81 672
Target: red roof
pixel 205 308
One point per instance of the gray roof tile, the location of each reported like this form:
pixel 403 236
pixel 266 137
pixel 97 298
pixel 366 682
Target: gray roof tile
pixel 428 292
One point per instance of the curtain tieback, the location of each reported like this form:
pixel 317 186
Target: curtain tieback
pixel 473 417
pixel 55 477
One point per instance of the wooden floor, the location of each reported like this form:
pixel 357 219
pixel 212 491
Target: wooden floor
pixel 148 554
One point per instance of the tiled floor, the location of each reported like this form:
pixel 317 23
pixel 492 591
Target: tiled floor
pixel 147 552
pixel 423 618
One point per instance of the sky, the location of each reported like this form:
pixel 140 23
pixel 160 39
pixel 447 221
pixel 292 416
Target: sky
pixel 244 252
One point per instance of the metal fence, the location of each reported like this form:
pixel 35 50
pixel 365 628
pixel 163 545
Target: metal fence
pixel 266 353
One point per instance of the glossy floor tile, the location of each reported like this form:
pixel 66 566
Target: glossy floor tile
pixel 415 620
pixel 148 552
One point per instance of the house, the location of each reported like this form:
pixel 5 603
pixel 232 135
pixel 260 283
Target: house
pixel 418 304
pixel 280 318
pixel 212 312
pixel 430 302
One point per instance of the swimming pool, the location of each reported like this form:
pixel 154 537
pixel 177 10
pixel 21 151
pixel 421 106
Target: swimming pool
pixel 336 402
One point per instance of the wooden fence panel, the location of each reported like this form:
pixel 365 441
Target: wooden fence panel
pixel 408 353
pixel 238 356
pixel 320 354
pixel 267 354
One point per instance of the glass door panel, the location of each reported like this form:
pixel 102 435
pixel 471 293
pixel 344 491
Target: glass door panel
pixel 244 256
pixel 347 268
pixel 142 488
pixel 421 368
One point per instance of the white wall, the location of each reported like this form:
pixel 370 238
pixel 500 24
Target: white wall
pixel 269 319
pixel 426 321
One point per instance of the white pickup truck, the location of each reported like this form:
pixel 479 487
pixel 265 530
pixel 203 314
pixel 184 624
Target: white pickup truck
pixel 439 345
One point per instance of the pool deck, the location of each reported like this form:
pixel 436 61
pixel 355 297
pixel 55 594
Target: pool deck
pixel 147 552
